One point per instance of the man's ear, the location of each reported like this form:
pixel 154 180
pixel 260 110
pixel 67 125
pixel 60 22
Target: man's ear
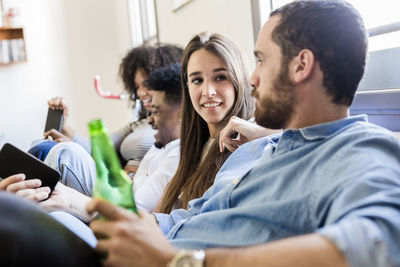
pixel 303 65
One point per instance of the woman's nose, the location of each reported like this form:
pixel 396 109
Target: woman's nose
pixel 141 91
pixel 209 90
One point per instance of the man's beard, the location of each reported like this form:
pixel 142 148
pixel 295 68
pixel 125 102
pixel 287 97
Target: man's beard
pixel 275 111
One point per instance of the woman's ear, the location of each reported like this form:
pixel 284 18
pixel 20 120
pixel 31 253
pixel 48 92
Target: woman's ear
pixel 303 65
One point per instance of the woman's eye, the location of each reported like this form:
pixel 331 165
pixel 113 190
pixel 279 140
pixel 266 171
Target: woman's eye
pixel 197 80
pixel 221 78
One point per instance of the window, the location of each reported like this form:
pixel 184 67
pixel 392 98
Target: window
pixel 383 22
pixel 143 23
pixel 380 17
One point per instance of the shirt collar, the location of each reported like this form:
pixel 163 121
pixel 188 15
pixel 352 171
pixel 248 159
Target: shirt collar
pixel 172 143
pixel 327 129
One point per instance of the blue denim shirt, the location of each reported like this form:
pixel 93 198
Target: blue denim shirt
pixel 339 179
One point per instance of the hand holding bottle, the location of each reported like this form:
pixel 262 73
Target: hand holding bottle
pixel 129 239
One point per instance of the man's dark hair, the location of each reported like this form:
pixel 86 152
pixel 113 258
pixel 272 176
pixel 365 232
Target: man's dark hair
pixel 167 79
pixel 334 31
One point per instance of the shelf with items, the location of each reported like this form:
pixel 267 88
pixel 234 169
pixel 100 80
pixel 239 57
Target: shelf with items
pixel 12 45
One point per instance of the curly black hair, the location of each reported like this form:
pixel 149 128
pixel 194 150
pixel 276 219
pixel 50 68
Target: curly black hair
pixel 147 58
pixel 168 80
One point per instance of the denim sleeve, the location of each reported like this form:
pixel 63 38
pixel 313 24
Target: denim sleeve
pixel 364 218
pixel 168 221
pixel 364 242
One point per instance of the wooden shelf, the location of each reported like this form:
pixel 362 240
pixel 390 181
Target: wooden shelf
pixel 12 46
pixel 11 33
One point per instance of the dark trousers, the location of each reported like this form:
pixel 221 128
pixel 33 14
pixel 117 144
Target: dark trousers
pixel 30 237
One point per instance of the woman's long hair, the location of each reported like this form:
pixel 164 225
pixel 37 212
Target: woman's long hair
pixel 193 176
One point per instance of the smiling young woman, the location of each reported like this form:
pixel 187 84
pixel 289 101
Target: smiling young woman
pixel 210 88
pixel 216 86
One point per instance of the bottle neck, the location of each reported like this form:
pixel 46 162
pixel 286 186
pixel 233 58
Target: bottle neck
pixel 97 126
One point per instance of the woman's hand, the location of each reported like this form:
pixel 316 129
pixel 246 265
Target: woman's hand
pixel 60 104
pixel 56 136
pixel 30 189
pixel 239 131
pixel 66 130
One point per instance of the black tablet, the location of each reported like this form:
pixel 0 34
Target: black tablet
pixel 14 161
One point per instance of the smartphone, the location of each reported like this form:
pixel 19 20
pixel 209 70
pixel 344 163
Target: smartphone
pixel 54 119
pixel 15 161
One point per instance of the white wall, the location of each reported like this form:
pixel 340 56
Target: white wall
pixel 231 18
pixel 70 41
pixel 67 42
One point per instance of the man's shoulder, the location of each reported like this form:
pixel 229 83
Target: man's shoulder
pixel 368 131
pixel 364 143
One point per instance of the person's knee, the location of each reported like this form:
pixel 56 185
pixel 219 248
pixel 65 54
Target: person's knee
pixel 65 153
pixel 77 167
pixel 41 149
pixel 66 148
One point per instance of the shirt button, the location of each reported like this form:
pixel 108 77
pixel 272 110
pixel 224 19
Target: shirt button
pixel 236 181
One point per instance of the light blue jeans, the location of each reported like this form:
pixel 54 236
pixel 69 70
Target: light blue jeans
pixel 76 226
pixel 75 164
pixel 78 171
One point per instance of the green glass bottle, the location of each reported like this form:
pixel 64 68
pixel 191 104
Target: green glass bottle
pixel 112 183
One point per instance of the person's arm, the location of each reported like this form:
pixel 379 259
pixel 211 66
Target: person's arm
pixel 309 250
pixel 239 131
pixel 56 136
pixel 130 240
pixel 168 221
pixel 68 199
pixel 67 132
pixel 62 198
